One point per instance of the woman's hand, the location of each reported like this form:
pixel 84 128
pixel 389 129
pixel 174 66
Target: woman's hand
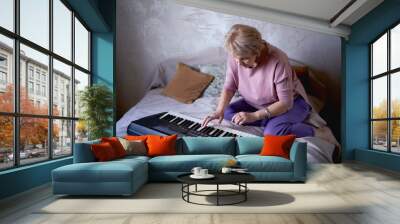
pixel 219 114
pixel 245 117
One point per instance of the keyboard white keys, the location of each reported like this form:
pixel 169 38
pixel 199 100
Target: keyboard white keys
pixel 225 130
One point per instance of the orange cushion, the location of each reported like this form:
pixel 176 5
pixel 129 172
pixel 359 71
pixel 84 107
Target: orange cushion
pixel 135 138
pixel 103 152
pixel 116 145
pixel 161 145
pixel 277 145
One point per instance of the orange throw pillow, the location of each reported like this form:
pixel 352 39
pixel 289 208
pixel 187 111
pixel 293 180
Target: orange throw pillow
pixel 136 137
pixel 103 152
pixel 277 145
pixel 161 145
pixel 116 145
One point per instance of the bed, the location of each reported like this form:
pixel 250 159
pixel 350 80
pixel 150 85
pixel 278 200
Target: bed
pixel 319 150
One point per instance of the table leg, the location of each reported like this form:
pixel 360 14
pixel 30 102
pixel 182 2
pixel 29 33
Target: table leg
pixel 188 190
pixel 245 193
pixel 182 190
pixel 217 194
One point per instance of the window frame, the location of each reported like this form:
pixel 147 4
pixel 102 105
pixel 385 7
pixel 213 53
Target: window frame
pixel 16 114
pixel 388 74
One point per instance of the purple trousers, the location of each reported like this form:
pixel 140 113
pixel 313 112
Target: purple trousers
pixel 291 122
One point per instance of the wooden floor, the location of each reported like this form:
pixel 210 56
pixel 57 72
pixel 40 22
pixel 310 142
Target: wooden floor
pixel 378 188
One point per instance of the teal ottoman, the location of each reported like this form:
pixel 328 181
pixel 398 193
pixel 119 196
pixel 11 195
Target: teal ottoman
pixel 118 177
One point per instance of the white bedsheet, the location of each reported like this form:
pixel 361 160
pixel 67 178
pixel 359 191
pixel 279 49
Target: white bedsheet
pixel 319 151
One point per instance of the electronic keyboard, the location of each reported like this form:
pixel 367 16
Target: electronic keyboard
pixel 168 123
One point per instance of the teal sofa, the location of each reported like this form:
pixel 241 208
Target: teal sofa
pixel 125 176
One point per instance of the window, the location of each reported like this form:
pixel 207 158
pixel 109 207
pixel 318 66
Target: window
pixel 30 72
pixel 81 81
pixel 81 45
pixel 62 137
pixel 62 31
pixel 44 91
pixel 30 88
pixel 37 89
pixel 6 142
pixel 3 61
pixel 3 78
pixel 37 74
pixel 62 74
pixel 385 94
pixel 7 14
pixel 7 72
pixel 3 72
pixel 33 149
pixel 44 125
pixel 35 21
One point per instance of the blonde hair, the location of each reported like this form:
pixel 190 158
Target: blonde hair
pixel 243 41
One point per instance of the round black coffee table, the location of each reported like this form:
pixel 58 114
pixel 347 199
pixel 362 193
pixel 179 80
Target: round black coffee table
pixel 238 179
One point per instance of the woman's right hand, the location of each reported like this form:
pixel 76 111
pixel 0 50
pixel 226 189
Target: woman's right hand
pixel 219 114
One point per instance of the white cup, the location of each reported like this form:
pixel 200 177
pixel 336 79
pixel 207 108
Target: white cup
pixel 203 172
pixel 226 170
pixel 196 171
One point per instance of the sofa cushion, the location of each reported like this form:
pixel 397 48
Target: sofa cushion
pixel 206 145
pixel 185 163
pixel 133 158
pixel 83 152
pixel 277 145
pixel 249 145
pixel 116 145
pixel 257 163
pixel 103 152
pixel 161 145
pixel 187 84
pixel 134 147
pixel 111 171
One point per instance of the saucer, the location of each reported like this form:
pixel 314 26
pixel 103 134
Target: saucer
pixel 208 176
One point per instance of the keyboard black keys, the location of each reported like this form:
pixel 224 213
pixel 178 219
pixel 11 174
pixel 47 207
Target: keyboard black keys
pixel 176 123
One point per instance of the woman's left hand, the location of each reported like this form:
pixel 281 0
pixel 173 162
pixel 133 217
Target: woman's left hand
pixel 244 117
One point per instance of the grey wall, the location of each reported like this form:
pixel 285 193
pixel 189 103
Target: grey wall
pixel 151 31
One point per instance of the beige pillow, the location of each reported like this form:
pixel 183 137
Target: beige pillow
pixel 135 147
pixel 187 85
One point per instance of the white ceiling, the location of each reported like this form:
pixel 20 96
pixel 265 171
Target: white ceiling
pixel 319 9
pixel 325 16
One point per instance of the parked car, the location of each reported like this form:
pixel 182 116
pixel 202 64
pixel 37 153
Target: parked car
pixel 22 155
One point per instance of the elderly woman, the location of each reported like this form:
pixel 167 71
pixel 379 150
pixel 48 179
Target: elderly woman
pixel 273 97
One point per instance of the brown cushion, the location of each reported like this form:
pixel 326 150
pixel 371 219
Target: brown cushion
pixel 187 85
pixel 134 147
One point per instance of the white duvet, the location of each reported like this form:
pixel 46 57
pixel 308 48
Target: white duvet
pixel 319 151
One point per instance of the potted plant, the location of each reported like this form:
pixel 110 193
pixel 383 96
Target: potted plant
pixel 96 102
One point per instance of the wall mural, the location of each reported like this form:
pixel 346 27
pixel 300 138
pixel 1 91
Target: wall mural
pixel 154 35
